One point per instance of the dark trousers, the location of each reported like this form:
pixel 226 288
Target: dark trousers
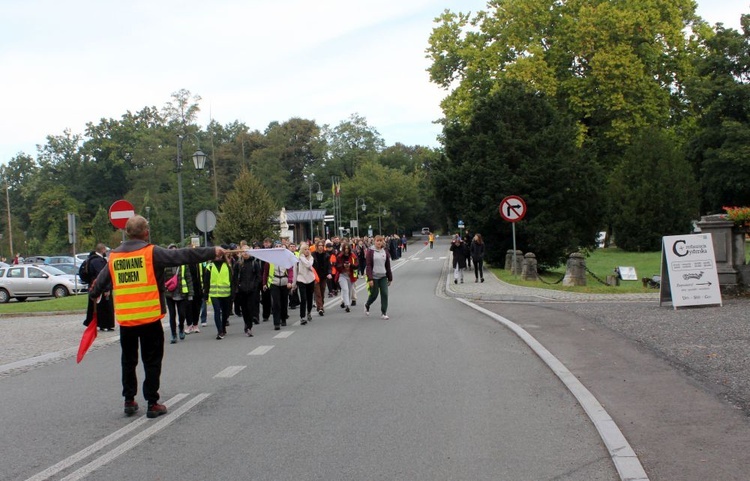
pixel 180 308
pixel 320 294
pixel 151 339
pixel 222 310
pixel 193 310
pixel 279 303
pixel 250 306
pixel 478 271
pixel 306 298
pixel 265 301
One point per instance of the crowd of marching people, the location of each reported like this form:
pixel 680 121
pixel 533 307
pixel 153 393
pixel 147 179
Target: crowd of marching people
pixel 258 291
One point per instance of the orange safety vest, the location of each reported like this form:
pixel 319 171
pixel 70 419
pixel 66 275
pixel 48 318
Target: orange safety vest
pixel 134 287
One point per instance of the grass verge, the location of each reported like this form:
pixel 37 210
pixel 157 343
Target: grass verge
pixel 35 305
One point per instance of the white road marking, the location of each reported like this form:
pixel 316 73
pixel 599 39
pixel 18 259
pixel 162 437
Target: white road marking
pixel 283 335
pixel 428 258
pixel 165 421
pixel 443 258
pixel 99 445
pixel 230 371
pixel 260 350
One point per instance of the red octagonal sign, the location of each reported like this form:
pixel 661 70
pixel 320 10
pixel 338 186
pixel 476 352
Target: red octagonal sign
pixel 119 213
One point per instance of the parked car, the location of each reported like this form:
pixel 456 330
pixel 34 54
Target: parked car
pixel 81 256
pixel 71 269
pixel 23 281
pixel 60 260
pixel 35 259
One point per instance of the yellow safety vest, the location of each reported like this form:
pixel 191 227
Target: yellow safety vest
pixel 134 287
pixel 221 285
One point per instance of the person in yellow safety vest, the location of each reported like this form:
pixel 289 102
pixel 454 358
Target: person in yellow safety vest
pixel 135 275
pixel 217 287
pixel 279 282
pixel 432 239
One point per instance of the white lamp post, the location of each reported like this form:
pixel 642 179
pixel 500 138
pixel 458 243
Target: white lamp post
pixel 356 210
pixel 319 196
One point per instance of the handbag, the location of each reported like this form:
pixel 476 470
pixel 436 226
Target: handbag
pixel 171 283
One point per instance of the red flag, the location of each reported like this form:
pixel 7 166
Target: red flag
pixel 88 338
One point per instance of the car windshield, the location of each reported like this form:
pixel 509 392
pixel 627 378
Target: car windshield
pixel 52 270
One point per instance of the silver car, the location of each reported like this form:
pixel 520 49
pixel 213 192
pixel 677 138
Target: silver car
pixel 22 281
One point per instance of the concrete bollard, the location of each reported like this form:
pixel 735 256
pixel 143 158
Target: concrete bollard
pixel 575 270
pixel 508 260
pixel 529 269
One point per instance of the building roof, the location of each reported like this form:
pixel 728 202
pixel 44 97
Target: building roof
pixel 297 216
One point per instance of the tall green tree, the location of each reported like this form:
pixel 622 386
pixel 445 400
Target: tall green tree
pixel 350 144
pixel 719 148
pixel 247 212
pixel 518 143
pixel 657 192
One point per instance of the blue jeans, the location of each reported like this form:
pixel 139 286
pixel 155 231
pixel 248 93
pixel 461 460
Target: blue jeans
pixel 222 310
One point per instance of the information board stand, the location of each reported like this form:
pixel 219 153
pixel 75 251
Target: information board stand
pixel 688 271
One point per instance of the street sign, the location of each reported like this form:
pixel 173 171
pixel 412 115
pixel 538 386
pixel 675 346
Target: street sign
pixel 119 213
pixel 512 208
pixel 205 221
pixel 461 224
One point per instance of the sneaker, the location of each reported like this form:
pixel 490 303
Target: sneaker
pixel 343 305
pixel 385 316
pixel 309 317
pixel 482 279
pixel 182 335
pixel 248 332
pixel 367 310
pixel 347 309
pixel 354 302
pixel 203 324
pixel 303 321
pixel 188 329
pixel 130 407
pixel 455 281
pixel 283 323
pixel 219 337
pixel 196 329
pixel 320 312
pixel 155 410
pixel 174 340
pixel 276 328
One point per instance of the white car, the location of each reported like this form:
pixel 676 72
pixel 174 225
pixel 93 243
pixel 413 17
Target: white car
pixel 23 281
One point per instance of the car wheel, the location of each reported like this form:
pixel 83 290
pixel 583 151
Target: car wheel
pixel 60 291
pixel 4 296
pixel 21 299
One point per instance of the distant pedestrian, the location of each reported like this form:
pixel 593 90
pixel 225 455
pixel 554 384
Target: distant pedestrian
pixel 379 275
pixel 346 265
pixel 105 316
pixel 459 258
pixel 217 289
pixel 477 255
pixel 431 239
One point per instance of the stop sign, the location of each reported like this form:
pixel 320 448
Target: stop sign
pixel 119 213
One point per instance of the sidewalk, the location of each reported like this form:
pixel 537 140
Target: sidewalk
pixel 493 289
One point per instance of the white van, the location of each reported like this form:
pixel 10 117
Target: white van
pixel 425 231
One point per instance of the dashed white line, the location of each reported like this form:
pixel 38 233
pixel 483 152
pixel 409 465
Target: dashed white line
pixel 283 335
pixel 230 371
pixel 260 350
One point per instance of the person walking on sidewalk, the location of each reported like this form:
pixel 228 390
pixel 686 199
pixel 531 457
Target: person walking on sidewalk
pixel 477 255
pixel 379 275
pixel 459 258
pixel 135 275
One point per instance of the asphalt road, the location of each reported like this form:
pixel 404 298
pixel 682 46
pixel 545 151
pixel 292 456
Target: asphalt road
pixel 438 392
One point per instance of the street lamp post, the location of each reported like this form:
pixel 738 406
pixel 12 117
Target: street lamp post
pixel 356 210
pixel 319 196
pixel 199 160
pixel 383 211
pixel 10 228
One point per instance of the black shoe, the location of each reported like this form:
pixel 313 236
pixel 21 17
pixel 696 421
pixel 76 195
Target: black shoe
pixel 219 337
pixel 343 305
pixel 283 323
pixel 455 281
pixel 130 408
pixel 347 309
pixel 155 410
pixel 482 279
pixel 354 302
pixel 276 328
pixel 255 321
pixel 303 321
pixel 248 332
pixel 320 312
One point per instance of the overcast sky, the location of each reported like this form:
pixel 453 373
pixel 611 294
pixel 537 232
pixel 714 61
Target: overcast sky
pixel 66 63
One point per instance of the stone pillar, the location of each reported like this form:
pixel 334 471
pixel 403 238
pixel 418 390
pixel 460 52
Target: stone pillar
pixel 508 260
pixel 516 269
pixel 729 249
pixel 529 269
pixel 575 270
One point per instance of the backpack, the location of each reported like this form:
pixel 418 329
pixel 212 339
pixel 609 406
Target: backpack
pixel 83 272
